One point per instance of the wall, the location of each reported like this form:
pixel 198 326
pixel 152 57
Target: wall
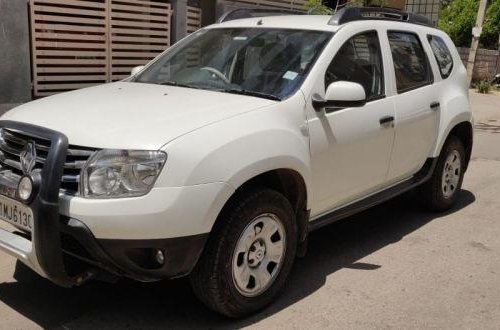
pixel 487 63
pixel 15 70
pixel 428 8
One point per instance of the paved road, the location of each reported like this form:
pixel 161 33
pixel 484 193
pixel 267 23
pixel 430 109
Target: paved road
pixel 393 266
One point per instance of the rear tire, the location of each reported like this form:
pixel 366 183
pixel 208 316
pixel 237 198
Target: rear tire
pixel 441 192
pixel 249 254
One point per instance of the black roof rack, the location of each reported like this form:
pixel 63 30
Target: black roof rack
pixel 350 14
pixel 255 12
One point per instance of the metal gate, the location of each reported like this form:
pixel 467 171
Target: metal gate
pixel 80 43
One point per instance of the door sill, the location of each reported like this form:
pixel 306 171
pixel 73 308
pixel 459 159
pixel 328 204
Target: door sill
pixel 423 175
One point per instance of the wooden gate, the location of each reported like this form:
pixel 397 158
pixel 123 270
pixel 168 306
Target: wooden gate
pixel 193 19
pixel 298 5
pixel 80 43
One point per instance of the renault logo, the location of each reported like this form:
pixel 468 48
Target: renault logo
pixel 28 158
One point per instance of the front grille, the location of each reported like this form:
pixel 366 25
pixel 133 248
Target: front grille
pixel 13 142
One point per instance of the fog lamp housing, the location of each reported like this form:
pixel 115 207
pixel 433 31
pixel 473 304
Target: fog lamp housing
pixel 28 187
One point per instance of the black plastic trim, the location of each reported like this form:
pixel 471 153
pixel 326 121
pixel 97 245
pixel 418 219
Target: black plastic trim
pixel 240 13
pixel 435 105
pixel 320 103
pixel 45 205
pixel 421 177
pixel 113 255
pixel 350 14
pixel 181 255
pixel 386 120
pixel 82 234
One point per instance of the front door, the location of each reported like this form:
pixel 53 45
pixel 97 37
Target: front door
pixel 351 147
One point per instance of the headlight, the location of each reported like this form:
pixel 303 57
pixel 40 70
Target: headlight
pixel 121 173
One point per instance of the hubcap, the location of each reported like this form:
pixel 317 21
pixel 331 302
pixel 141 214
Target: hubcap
pixel 451 174
pixel 259 255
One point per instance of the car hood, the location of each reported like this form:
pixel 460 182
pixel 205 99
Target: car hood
pixel 127 115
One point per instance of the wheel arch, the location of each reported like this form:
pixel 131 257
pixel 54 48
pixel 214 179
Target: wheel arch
pixel 464 131
pixel 290 183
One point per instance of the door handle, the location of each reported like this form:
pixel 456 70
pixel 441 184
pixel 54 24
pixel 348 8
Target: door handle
pixel 386 120
pixel 435 105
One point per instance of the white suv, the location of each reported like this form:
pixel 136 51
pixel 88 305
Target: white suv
pixel 219 157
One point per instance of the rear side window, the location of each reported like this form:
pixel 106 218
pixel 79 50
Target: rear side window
pixel 410 61
pixel 442 54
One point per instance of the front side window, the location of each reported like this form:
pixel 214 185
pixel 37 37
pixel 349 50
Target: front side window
pixel 269 63
pixel 359 60
pixel 442 54
pixel 410 61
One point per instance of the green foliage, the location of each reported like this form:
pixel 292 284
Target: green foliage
pixel 458 17
pixel 483 87
pixel 316 7
pixel 491 26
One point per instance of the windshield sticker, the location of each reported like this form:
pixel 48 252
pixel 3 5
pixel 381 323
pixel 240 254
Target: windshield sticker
pixel 290 75
pixel 240 38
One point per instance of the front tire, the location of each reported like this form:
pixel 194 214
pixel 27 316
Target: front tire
pixel 249 254
pixel 440 193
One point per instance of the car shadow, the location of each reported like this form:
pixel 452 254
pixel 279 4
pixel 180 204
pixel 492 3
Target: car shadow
pixel 171 304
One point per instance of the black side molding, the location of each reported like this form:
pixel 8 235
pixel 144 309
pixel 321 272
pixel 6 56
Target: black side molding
pixel 421 177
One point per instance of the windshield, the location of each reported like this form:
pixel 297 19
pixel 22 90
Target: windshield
pixel 269 63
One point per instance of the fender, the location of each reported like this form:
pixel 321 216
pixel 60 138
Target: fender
pixel 456 112
pixel 237 149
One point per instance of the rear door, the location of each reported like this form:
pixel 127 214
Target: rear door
pixel 416 103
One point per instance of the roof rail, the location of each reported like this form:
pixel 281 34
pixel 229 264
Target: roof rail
pixel 255 12
pixel 350 14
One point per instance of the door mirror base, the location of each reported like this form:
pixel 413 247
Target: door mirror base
pixel 339 95
pixel 320 103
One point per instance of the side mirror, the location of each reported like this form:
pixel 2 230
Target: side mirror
pixel 136 70
pixel 341 94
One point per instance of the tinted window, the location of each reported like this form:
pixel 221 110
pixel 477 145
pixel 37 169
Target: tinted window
pixel 359 60
pixel 442 54
pixel 410 61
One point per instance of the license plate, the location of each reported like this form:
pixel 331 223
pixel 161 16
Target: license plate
pixel 16 213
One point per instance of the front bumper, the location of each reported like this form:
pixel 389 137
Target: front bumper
pixel 100 237
pixel 85 257
pixel 134 259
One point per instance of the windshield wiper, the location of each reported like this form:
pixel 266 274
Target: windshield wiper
pixel 176 84
pixel 252 93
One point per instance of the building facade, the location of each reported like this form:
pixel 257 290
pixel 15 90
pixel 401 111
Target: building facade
pixel 49 46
